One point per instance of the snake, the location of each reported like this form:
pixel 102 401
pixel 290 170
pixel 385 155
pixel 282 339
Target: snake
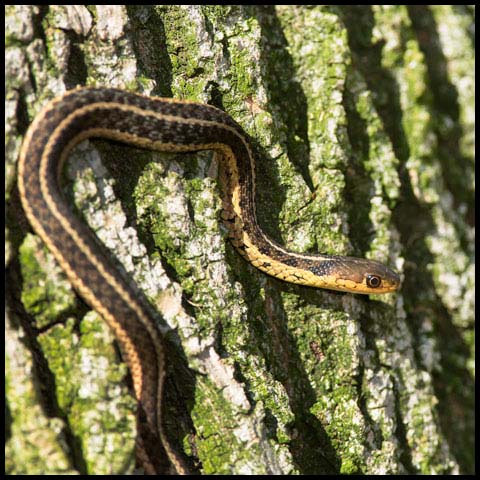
pixel 167 125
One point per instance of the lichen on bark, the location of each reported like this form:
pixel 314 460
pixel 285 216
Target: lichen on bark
pixel 361 117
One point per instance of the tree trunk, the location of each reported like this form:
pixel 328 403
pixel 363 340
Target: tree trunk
pixel 363 117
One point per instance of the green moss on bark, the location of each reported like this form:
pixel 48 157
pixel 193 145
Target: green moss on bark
pixel 343 108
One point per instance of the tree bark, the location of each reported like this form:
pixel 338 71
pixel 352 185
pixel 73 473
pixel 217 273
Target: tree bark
pixel 363 118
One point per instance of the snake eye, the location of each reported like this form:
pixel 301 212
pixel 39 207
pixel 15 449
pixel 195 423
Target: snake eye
pixel 374 281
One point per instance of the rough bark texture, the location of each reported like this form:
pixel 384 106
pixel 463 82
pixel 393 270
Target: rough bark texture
pixel 364 117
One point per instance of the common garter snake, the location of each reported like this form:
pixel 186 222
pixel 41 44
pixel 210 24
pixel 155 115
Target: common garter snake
pixel 173 126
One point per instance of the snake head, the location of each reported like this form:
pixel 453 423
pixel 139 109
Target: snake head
pixel 359 275
pixel 350 274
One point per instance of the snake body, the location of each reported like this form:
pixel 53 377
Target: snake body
pixel 173 126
